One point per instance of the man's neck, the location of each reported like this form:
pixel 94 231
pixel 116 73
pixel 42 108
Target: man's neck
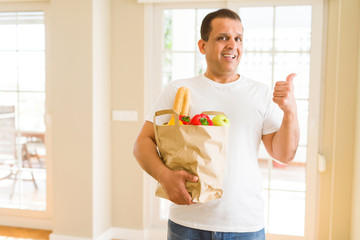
pixel 222 79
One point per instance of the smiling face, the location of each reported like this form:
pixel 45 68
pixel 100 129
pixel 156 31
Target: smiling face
pixel 224 48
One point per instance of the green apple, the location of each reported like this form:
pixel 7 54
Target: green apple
pixel 221 120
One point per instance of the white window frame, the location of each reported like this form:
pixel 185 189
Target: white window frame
pixel 24 217
pixel 153 81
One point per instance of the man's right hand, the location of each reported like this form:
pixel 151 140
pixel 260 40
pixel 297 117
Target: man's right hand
pixel 173 182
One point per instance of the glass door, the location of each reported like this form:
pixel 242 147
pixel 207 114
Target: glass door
pixel 22 110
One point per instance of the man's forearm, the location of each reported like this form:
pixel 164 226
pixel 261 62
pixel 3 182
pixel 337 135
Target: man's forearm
pixel 286 140
pixel 147 156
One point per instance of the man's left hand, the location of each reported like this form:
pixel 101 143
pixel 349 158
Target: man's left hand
pixel 284 94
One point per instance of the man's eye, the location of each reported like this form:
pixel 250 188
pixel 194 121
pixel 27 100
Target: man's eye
pixel 222 38
pixel 238 39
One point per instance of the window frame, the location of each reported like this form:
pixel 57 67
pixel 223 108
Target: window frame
pixel 153 81
pixel 24 217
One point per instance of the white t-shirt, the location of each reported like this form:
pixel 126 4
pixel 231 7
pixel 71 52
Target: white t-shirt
pixel 252 113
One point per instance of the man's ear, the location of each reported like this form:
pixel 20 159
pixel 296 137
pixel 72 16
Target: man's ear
pixel 201 44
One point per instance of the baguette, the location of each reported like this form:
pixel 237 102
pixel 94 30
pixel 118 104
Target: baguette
pixel 182 101
pixel 181 104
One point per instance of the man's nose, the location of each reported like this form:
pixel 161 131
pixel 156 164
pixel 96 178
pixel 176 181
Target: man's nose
pixel 231 44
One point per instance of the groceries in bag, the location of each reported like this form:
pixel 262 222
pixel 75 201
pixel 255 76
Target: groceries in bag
pixel 198 149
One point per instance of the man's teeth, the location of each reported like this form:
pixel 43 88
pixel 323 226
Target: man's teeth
pixel 228 55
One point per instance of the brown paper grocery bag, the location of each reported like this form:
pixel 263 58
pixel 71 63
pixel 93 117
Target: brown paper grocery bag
pixel 199 150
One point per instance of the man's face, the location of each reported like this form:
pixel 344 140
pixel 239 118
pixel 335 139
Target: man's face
pixel 224 48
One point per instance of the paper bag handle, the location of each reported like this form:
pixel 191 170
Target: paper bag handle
pixel 163 112
pixel 168 111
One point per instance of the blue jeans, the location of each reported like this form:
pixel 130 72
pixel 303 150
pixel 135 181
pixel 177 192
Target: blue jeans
pixel 178 232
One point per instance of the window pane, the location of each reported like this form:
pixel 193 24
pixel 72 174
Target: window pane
pixel 8 70
pixel 167 29
pixel 22 31
pixel 31 37
pixel 200 64
pixel 303 113
pixel 180 29
pixel 263 161
pixel 7 36
pixel 32 188
pixel 264 169
pixel 31 71
pixel 33 150
pixel 8 188
pixel 300 156
pixel 167 68
pixel 200 15
pixel 8 150
pixel 258 31
pixel 257 66
pixel 177 66
pixel 299 63
pixel 262 151
pixel 31 31
pixel 10 99
pixel 32 110
pixel 182 65
pixel 293 28
pixel 288 177
pixel 287 213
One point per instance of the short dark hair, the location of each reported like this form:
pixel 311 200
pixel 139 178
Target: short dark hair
pixel 221 13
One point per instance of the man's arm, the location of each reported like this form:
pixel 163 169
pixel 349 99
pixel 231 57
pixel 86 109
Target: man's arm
pixel 282 145
pixel 173 182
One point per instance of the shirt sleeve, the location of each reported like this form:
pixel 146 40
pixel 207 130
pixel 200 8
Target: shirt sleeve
pixel 165 101
pixel 273 116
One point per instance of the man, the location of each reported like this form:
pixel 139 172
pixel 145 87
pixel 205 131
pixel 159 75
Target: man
pixel 238 214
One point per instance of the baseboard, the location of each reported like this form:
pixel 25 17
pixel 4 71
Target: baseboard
pixel 119 234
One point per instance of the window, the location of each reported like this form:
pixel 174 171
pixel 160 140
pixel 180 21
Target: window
pixel 22 110
pixel 285 39
pixel 181 32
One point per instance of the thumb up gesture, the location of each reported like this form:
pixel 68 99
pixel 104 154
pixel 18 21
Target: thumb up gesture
pixel 284 95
